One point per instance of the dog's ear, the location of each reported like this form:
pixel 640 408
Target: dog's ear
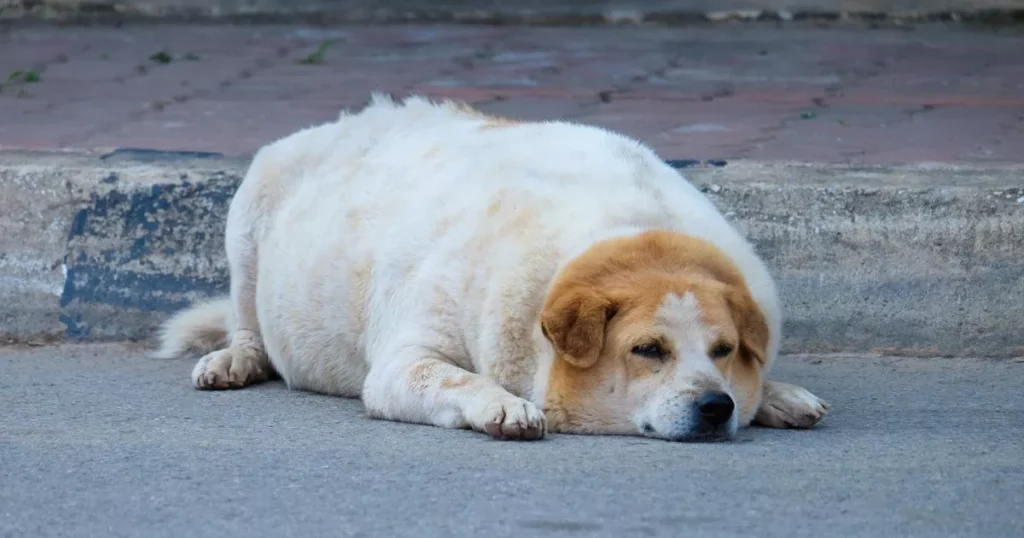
pixel 751 326
pixel 574 322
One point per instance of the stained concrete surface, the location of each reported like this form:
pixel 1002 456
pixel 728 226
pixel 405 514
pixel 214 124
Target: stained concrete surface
pixel 97 440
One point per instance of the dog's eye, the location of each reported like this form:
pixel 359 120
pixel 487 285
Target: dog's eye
pixel 721 351
pixel 651 351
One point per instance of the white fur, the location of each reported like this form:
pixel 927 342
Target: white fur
pixel 393 259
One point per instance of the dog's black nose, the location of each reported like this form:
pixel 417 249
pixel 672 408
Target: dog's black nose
pixel 715 407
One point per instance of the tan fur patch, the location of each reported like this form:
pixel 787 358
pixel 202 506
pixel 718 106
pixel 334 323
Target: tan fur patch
pixel 492 122
pixel 355 219
pixel 522 224
pixel 420 376
pixel 746 379
pixel 465 109
pixel 426 372
pixel 495 206
pixel 499 123
pixel 359 295
pixel 456 382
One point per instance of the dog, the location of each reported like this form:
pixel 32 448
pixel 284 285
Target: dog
pixel 463 270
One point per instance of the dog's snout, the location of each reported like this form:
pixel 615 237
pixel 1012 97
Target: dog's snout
pixel 715 407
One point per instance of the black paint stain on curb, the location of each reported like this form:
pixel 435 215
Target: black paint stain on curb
pixel 155 155
pixel 695 163
pixel 144 249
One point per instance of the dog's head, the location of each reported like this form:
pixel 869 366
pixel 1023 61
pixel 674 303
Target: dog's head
pixel 654 335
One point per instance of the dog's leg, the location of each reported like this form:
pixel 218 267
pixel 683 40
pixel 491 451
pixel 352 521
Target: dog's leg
pixel 418 385
pixel 244 362
pixel 789 406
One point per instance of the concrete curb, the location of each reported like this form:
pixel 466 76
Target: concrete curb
pixel 919 260
pixel 530 12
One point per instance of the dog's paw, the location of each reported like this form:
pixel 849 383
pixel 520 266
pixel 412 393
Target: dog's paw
pixel 789 406
pixel 510 417
pixel 231 368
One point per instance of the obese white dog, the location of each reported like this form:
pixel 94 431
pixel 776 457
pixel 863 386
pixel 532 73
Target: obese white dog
pixel 468 271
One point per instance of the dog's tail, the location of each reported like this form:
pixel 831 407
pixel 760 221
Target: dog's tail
pixel 198 330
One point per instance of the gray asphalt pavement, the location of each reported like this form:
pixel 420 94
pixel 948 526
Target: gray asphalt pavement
pixel 100 441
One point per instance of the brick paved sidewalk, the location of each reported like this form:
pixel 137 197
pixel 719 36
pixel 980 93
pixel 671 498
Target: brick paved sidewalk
pixel 752 91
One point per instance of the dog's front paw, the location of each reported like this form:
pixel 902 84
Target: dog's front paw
pixel 789 406
pixel 231 368
pixel 509 417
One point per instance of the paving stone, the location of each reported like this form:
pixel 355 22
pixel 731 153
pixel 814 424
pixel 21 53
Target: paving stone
pixel 846 95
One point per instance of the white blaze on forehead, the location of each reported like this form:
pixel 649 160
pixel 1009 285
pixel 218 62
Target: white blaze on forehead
pixel 683 323
pixel 682 320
